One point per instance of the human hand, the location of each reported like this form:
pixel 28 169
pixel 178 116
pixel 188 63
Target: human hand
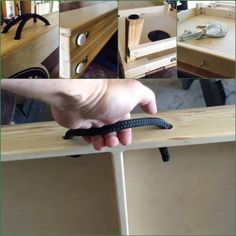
pixel 107 103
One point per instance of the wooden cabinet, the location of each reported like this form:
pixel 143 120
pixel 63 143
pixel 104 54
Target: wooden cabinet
pixel 124 189
pixel 83 33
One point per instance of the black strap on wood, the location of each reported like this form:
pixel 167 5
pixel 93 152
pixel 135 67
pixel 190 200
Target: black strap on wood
pixel 23 20
pixel 125 124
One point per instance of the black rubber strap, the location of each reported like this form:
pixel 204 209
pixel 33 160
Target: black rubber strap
pixel 125 124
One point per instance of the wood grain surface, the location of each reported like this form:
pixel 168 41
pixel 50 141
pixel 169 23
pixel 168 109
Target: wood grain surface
pixel 208 56
pixel 31 31
pixel 36 44
pixel 72 20
pixel 155 18
pixel 191 126
pixel 216 46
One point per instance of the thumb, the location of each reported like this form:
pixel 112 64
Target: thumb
pixel 147 100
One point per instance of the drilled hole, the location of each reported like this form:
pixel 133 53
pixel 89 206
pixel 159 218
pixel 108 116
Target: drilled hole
pixel 158 35
pixel 133 17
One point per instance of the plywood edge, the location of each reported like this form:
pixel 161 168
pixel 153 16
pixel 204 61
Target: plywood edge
pixel 207 51
pixel 140 67
pixel 71 20
pixel 143 10
pixel 152 47
pixel 198 72
pixel 219 12
pixel 191 126
pixel 184 15
pixel 92 49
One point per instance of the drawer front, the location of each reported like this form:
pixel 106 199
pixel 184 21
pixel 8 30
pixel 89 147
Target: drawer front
pixel 86 34
pixel 205 61
pixel 81 62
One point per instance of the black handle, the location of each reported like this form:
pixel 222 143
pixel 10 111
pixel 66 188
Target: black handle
pixel 23 19
pixel 125 124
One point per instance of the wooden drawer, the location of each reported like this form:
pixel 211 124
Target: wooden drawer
pixel 207 61
pixel 143 195
pixel 94 21
pixel 89 53
pixel 37 43
pixel 93 29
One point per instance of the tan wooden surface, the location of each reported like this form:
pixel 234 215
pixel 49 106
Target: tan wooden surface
pixel 68 68
pixel 31 31
pixel 94 48
pixel 155 18
pixel 141 11
pixel 208 57
pixel 72 20
pixel 139 68
pixel 36 44
pixel 99 21
pixel 192 126
pixel 152 47
pixel 193 194
pixel 225 45
pixel 94 30
pixel 133 29
pixel 197 71
pixel 59 196
pixel 124 5
pixel 207 61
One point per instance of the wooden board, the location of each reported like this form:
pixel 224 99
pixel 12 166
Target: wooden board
pixel 212 55
pixel 217 45
pixel 31 31
pixel 70 49
pixel 194 194
pixel 41 40
pixel 72 20
pixel 98 22
pixel 124 5
pixel 68 67
pixel 191 126
pixel 153 20
pixel 59 196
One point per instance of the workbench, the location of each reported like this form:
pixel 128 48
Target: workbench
pixel 127 190
pixel 207 57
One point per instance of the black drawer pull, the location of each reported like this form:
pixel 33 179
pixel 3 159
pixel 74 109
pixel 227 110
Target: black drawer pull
pixel 125 124
pixel 23 20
